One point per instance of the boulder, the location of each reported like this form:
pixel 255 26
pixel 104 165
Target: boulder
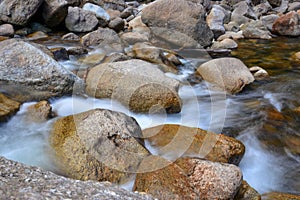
pixel 100 13
pixel 55 11
pixel 102 37
pixel 229 74
pixel 29 74
pixel 18 12
pixel 19 181
pixel 212 180
pixel 187 142
pixel 262 9
pixel 99 144
pixel 39 112
pixel 6 30
pixel 60 53
pixel 175 38
pixel 255 30
pixel 225 44
pixel 79 20
pixel 119 5
pixel 215 20
pixel 134 37
pixel 288 24
pixel 246 192
pixel 294 6
pixel 269 20
pixel 137 84
pixel 242 13
pixel 163 179
pixel 182 16
pixel 280 196
pixel 8 107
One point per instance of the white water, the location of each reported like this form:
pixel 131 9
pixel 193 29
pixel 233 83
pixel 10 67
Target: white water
pixel 27 142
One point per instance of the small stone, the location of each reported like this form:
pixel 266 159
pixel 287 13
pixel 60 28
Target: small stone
pixel 117 24
pixel 6 30
pixel 259 73
pixel 40 112
pixel 77 50
pixel 37 35
pixel 60 53
pixel 225 44
pixel 70 37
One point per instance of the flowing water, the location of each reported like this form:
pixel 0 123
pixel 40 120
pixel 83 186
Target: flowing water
pixel 263 116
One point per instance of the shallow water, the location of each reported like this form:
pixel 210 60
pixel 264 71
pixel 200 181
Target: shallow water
pixel 261 117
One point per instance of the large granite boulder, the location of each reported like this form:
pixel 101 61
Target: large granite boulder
pixel 8 107
pixel 98 145
pixel 280 196
pixel 79 20
pixel 288 24
pixel 186 141
pixel 137 84
pixel 19 181
pixel 26 72
pixel 185 16
pixel 18 12
pixel 228 74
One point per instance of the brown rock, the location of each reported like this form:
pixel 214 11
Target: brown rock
pixel 77 50
pixel 60 53
pixel 246 192
pixel 37 35
pixel 212 180
pixel 98 145
pixel 229 74
pixel 288 24
pixel 225 44
pixel 116 57
pixel 134 37
pixel 70 37
pixel 8 107
pixel 186 141
pixel 163 180
pixel 40 112
pixel 137 84
pixel 279 196
pixel 117 24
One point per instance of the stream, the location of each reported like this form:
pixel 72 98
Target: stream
pixel 261 116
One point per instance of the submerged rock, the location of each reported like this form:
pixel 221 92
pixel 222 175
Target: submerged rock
pixel 186 141
pixel 137 84
pixel 229 74
pixel 98 145
pixel 39 112
pixel 18 12
pixel 8 107
pixel 28 73
pixel 19 181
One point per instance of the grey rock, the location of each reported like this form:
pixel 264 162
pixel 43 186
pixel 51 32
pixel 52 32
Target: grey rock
pixel 6 30
pixel 55 11
pixel 134 37
pixel 186 17
pixel 32 75
pixel 275 3
pixel 101 14
pixel 19 181
pixel 294 6
pixel 18 12
pixel 215 20
pixel 139 85
pixel 225 44
pixel 79 20
pixel 283 7
pixel 269 20
pixel 70 37
pixel 102 37
pixel 228 74
pixel 242 13
pixel 231 35
pixel 256 30
pixel 262 9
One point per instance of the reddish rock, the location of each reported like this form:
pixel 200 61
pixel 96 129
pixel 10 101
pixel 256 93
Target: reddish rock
pixel 288 24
